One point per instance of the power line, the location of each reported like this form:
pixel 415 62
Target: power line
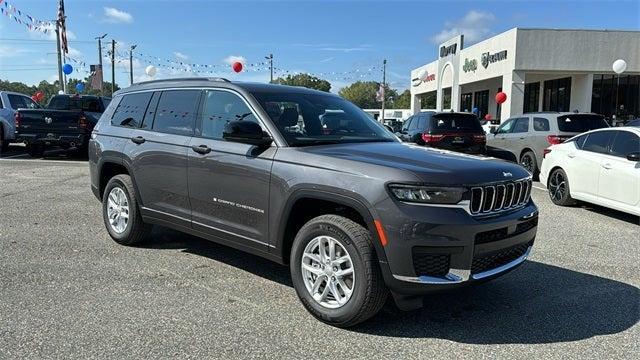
pixel 44 40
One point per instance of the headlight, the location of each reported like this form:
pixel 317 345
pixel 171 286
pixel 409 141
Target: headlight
pixel 427 194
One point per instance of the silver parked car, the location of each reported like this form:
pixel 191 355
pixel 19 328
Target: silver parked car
pixel 526 136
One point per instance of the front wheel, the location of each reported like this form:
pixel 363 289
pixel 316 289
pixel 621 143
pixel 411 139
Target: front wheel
pixel 558 185
pixel 335 272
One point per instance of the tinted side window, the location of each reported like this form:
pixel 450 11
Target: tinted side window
pixel 505 128
pixel 130 111
pixel 625 143
pixel 540 124
pixel 176 113
pixel 150 113
pixel 598 141
pixel 580 141
pixel 422 122
pixel 219 108
pixel 521 125
pixel 21 102
pixel 407 123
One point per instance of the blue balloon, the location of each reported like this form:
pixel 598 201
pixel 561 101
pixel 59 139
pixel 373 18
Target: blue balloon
pixel 79 87
pixel 67 69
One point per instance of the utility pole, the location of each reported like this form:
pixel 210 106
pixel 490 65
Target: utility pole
pixel 384 90
pixel 60 78
pixel 270 58
pixel 113 66
pixel 131 63
pixel 99 38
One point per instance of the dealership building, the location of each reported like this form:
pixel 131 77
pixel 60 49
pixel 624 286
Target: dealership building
pixel 538 70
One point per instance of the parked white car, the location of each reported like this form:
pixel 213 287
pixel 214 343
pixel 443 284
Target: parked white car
pixel 600 167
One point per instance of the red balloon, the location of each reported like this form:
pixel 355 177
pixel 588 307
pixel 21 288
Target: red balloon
pixel 39 95
pixel 237 66
pixel 501 97
pixel 488 117
pixel 34 98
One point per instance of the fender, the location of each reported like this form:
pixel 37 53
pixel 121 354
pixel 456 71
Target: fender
pixel 367 213
pixel 126 165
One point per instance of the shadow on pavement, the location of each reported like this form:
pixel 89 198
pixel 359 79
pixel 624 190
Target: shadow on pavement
pixel 535 304
pixel 19 152
pixel 619 215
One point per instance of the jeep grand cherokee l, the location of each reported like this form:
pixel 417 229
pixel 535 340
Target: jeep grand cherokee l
pixel 356 214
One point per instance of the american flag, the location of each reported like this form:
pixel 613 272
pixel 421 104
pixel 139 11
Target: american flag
pixel 63 27
pixel 380 93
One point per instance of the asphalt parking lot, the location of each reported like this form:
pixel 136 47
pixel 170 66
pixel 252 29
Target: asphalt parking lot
pixel 68 291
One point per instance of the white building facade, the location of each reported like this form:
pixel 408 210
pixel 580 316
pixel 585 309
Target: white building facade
pixel 538 70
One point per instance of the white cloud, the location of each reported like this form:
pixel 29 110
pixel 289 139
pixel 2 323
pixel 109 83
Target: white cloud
pixel 10 51
pixel 234 58
pixel 181 56
pixel 475 25
pixel 114 15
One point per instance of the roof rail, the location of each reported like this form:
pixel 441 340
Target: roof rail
pixel 183 79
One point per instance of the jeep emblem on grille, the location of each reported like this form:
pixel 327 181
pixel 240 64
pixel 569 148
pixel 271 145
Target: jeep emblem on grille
pixel 507 174
pixel 48 120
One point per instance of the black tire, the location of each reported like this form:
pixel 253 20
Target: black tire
pixel 369 291
pixel 136 230
pixel 529 162
pixel 558 187
pixel 35 150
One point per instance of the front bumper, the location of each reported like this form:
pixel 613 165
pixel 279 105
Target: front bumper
pixel 439 248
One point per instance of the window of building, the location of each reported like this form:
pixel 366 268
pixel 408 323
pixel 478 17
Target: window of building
pixel 219 108
pixel 625 143
pixel 131 109
pixel 540 124
pixel 598 141
pixel 557 94
pixel 446 98
pixel 466 102
pixel 521 126
pixel 603 96
pixel 531 97
pixel 481 101
pixel 176 112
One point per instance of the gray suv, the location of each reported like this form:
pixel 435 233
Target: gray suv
pixel 307 179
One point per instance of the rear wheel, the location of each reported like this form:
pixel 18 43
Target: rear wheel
pixel 335 273
pixel 121 213
pixel 558 185
pixel 528 161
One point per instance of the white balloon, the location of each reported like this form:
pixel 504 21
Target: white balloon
pixel 619 66
pixel 150 71
pixel 60 92
pixel 422 74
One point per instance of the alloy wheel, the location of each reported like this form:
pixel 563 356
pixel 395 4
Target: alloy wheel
pixel 527 163
pixel 557 186
pixel 327 272
pixel 118 210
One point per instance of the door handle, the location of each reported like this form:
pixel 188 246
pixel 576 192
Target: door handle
pixel 138 139
pixel 201 149
pixel 571 155
pixel 522 138
pixel 607 166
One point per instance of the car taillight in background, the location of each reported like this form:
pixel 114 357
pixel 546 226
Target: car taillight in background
pixel 428 138
pixel 18 119
pixel 479 138
pixel 83 123
pixel 556 139
pixel 545 152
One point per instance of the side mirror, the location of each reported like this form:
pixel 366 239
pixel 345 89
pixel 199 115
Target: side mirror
pixel 246 132
pixel 634 156
pixel 493 130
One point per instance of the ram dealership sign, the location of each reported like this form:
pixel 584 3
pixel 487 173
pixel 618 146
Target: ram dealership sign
pixel 488 58
pixel 470 65
pixel 448 50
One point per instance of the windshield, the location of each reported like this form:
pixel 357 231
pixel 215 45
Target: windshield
pixel 91 104
pixel 22 102
pixel 455 122
pixel 312 119
pixel 580 123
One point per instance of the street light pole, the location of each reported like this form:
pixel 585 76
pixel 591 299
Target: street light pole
pixel 59 51
pixel 270 58
pixel 99 38
pixel 113 66
pixel 384 90
pixel 131 62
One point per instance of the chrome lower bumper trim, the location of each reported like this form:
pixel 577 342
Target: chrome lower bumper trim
pixel 456 276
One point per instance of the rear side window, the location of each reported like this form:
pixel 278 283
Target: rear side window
pixel 65 102
pixel 220 108
pixel 598 141
pixel 176 112
pixel 130 111
pixel 521 126
pixel 579 123
pixel 625 143
pixel 540 124
pixel 422 122
pixel 406 124
pixel 580 141
pixel 21 102
pixel 454 122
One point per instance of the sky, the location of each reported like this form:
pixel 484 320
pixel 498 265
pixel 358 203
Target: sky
pixel 341 41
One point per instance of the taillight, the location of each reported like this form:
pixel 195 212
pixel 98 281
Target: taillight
pixel 82 122
pixel 555 139
pixel 428 138
pixel 545 152
pixel 18 119
pixel 479 138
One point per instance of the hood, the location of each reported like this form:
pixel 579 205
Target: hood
pixel 429 165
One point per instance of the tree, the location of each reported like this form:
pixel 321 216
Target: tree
pixel 363 94
pixel 304 80
pixel 403 101
pixel 51 89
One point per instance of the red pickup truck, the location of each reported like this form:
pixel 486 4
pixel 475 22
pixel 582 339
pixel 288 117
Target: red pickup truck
pixel 66 123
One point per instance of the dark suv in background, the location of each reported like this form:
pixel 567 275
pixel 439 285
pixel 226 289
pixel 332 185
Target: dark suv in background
pixel 456 131
pixel 306 178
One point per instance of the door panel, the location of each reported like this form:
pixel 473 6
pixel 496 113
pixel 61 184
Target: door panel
pixel 619 177
pixel 586 163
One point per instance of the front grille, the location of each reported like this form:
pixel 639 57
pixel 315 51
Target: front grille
pixel 498 258
pixel 497 197
pixel 491 236
pixel 430 264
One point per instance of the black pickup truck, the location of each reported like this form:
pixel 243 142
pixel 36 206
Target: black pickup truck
pixel 65 123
